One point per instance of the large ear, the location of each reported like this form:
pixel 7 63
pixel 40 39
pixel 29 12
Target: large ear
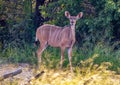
pixel 79 15
pixel 67 14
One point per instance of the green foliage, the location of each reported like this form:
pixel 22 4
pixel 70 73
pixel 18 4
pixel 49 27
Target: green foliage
pixel 51 56
pixel 97 34
pixel 27 8
pixel 98 22
pixel 24 54
pixel 57 8
pixel 16 18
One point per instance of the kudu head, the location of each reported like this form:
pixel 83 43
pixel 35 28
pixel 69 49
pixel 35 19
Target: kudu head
pixel 73 19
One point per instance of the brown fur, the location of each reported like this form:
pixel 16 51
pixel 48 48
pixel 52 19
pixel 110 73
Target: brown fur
pixel 55 36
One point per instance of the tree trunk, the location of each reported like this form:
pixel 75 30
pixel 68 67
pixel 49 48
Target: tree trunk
pixel 38 19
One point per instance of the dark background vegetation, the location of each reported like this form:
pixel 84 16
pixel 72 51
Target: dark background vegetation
pixel 98 32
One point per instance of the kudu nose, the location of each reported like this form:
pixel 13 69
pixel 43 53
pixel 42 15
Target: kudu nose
pixel 72 22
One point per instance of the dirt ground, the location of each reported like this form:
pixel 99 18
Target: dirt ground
pixel 26 74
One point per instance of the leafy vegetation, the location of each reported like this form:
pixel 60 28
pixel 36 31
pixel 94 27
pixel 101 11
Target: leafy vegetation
pixel 51 56
pixel 97 34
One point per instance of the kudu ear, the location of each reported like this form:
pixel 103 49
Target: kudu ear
pixel 67 14
pixel 79 15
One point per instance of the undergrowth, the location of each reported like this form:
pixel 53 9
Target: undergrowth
pixel 51 56
pixel 97 66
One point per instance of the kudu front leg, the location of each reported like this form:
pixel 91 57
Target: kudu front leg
pixel 62 57
pixel 70 58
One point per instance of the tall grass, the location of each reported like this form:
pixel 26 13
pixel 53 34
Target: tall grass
pixel 27 54
pixel 23 54
pixel 105 52
pixel 96 66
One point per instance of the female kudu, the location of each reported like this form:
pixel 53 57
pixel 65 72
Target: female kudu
pixel 55 36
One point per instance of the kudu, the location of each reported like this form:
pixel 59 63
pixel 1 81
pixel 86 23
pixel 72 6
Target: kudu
pixel 55 36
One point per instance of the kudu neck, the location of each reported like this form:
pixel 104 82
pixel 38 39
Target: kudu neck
pixel 72 27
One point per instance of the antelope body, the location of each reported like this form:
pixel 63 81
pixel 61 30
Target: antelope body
pixel 55 36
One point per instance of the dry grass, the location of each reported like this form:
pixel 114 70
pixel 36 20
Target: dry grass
pixel 57 77
pixel 86 73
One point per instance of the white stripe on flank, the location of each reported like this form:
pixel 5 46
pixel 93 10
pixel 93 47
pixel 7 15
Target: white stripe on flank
pixel 49 34
pixel 57 35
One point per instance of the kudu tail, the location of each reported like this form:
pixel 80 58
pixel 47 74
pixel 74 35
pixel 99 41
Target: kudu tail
pixel 36 41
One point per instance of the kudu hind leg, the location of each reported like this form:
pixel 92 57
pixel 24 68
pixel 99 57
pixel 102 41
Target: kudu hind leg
pixel 40 50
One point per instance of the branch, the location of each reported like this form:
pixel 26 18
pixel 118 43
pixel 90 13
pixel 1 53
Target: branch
pixel 10 74
pixel 35 77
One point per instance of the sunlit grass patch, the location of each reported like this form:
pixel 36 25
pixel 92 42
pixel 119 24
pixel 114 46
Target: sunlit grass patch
pixel 86 73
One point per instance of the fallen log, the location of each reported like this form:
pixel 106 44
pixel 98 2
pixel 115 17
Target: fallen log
pixel 11 74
